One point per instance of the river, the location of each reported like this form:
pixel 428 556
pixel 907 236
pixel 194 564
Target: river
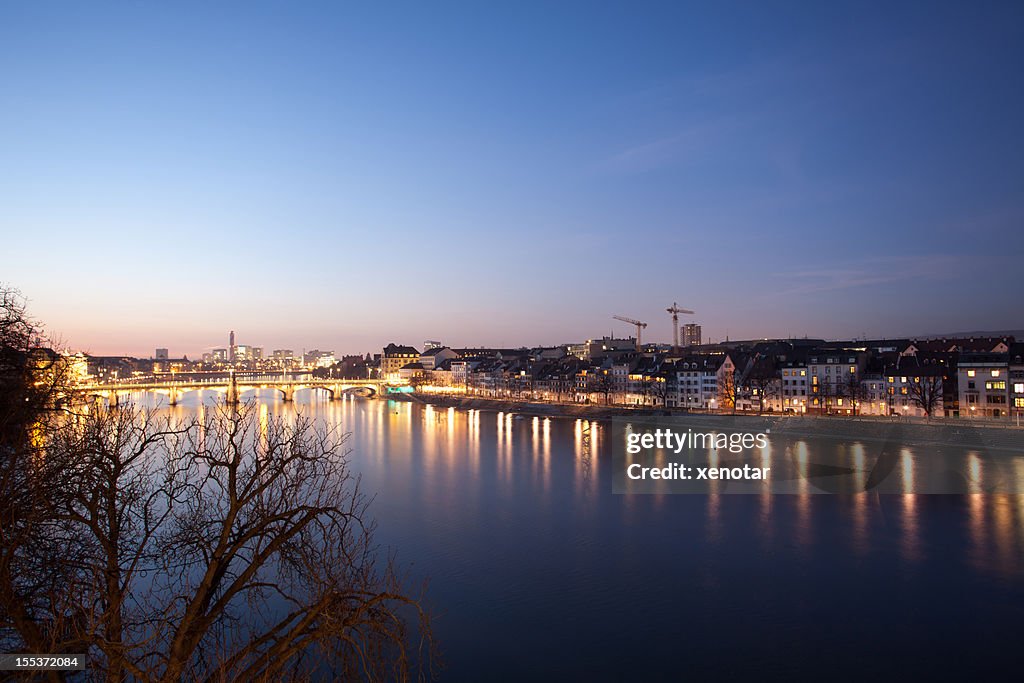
pixel 538 571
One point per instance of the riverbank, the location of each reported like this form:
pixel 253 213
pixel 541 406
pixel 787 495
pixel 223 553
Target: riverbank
pixel 999 436
pixel 593 410
pixel 530 408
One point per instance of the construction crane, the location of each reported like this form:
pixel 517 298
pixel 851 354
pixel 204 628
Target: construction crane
pixel 675 311
pixel 639 327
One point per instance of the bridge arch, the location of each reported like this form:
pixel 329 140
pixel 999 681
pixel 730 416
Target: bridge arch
pixel 360 390
pixel 312 389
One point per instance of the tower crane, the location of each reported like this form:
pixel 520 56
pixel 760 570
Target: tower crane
pixel 639 327
pixel 675 311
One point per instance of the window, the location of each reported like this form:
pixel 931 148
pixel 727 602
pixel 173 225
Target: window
pixel 1018 403
pixel 853 369
pixel 803 373
pixel 970 373
pixel 1018 388
pixel 995 385
pixel 995 373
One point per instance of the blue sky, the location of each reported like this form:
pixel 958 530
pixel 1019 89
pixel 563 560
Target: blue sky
pixel 341 175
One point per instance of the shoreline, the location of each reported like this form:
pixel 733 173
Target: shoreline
pixel 545 409
pixel 532 408
pixel 937 432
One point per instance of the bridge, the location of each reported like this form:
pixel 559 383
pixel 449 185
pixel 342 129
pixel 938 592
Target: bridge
pixel 234 387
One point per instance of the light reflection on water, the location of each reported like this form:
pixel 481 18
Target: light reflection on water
pixel 513 520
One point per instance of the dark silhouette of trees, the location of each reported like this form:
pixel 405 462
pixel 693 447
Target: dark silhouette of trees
pixel 729 391
pixel 31 571
pixel 604 385
pixel 234 546
pixel 765 384
pixel 926 393
pixel 855 391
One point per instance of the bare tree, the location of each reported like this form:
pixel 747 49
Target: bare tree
pixel 235 546
pixel 33 378
pixel 826 392
pixel 657 389
pixel 765 384
pixel 729 392
pixel 854 391
pixel 926 393
pixel 231 548
pixel 604 385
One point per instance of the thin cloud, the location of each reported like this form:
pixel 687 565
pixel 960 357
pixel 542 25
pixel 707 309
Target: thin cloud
pixel 868 273
pixel 671 149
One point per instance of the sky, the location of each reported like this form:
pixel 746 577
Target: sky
pixel 342 175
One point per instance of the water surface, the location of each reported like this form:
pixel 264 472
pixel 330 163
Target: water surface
pixel 538 571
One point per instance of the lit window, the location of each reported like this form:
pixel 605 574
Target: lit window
pixel 1018 388
pixel 970 373
pixel 853 369
pixel 995 373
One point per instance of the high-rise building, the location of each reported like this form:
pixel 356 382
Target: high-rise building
pixel 691 334
pixel 231 346
pixel 429 344
pixel 161 354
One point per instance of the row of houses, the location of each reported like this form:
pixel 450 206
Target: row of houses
pixel 979 377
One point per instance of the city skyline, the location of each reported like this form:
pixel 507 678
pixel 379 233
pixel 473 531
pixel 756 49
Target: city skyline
pixel 268 351
pixel 341 177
